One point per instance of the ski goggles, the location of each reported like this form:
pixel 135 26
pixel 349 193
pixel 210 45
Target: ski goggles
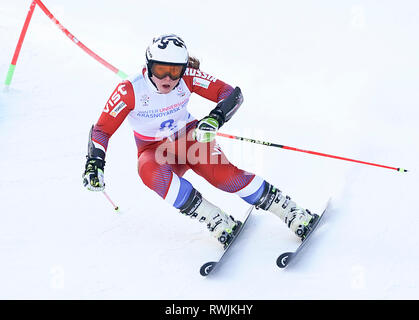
pixel 174 71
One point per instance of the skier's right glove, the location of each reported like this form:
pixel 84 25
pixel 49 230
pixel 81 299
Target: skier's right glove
pixel 93 178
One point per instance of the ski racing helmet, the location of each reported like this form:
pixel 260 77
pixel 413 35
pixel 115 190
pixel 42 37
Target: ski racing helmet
pixel 167 55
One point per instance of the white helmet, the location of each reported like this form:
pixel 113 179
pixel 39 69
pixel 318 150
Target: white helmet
pixel 167 48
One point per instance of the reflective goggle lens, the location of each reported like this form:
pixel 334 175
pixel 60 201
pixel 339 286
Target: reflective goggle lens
pixel 163 70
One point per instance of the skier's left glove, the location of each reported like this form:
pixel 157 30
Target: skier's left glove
pixel 206 130
pixel 93 176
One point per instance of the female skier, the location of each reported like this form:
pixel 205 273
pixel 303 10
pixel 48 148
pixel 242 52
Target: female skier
pixel 171 141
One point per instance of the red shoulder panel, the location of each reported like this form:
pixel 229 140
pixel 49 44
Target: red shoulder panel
pixel 206 85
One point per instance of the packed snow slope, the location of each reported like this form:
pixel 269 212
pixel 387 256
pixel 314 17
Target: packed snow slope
pixel 334 77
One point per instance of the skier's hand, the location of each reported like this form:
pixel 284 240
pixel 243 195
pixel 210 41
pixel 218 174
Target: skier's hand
pixel 206 130
pixel 93 178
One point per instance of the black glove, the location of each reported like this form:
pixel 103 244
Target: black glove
pixel 93 176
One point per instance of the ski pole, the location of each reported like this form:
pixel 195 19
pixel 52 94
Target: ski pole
pixel 109 199
pixel 270 144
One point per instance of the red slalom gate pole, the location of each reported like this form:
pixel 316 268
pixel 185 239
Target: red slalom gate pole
pixel 12 66
pixel 79 43
pixel 270 144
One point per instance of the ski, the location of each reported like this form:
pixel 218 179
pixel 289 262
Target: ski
pixel 208 267
pixel 287 257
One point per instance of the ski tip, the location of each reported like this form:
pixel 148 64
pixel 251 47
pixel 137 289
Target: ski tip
pixel 284 259
pixel 207 268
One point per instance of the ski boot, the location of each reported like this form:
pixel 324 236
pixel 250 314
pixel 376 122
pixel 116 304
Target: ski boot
pixel 298 219
pixel 221 225
pixel 228 234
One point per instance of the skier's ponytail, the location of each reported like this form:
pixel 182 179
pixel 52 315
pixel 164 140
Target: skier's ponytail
pixel 193 63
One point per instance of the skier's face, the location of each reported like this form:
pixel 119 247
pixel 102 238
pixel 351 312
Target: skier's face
pixel 165 85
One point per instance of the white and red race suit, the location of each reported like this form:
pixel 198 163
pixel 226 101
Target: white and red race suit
pixel 163 130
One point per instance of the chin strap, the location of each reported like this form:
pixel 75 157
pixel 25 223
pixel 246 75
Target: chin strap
pixel 151 80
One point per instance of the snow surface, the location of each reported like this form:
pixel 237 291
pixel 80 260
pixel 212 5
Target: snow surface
pixel 329 76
